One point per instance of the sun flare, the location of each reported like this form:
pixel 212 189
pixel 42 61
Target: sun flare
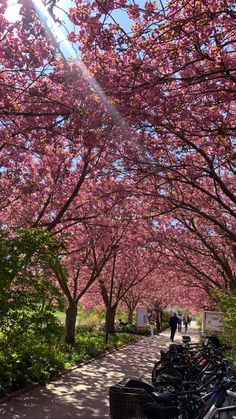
pixel 12 13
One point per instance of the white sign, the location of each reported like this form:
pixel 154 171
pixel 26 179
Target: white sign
pixel 212 321
pixel 142 316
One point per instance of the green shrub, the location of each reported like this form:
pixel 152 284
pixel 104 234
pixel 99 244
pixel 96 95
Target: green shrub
pixel 32 363
pixel 87 322
pixel 227 304
pixel 31 331
pixel 35 361
pixel 89 345
pixel 128 328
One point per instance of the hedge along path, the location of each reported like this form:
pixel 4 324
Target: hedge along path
pixel 83 392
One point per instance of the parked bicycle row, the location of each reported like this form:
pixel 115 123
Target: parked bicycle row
pixel 189 381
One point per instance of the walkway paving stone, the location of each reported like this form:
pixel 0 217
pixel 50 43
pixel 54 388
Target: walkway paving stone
pixel 83 392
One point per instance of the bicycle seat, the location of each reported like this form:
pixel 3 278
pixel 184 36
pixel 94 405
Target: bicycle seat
pixel 152 411
pixel 186 338
pixel 176 347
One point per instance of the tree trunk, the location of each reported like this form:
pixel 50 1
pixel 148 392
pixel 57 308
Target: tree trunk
pixel 71 314
pixel 110 319
pixel 130 315
pixel 161 317
pixel 158 322
pixel 232 287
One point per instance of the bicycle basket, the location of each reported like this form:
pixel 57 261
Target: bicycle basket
pixel 128 403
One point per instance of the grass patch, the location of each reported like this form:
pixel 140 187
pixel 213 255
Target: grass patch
pixel 92 344
pixel 84 321
pixel 33 351
pixel 36 362
pixel 61 316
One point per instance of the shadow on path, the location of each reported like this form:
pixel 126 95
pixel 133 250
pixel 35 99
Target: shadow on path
pixel 83 392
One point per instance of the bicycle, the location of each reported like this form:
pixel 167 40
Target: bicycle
pixel 180 362
pixel 209 406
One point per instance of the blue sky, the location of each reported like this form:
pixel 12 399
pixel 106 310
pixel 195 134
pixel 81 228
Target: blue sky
pixel 119 15
pixel 59 32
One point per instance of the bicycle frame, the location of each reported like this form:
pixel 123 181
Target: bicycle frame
pixel 217 399
pixel 214 409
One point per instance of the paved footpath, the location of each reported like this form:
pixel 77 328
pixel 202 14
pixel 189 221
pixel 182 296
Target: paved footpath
pixel 83 392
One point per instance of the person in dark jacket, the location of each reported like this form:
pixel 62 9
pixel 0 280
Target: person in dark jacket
pixel 173 323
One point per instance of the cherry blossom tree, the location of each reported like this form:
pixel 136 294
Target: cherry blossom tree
pixel 132 268
pixel 134 297
pixel 58 154
pixel 158 180
pixel 173 79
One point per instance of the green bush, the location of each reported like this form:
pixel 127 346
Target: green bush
pixel 88 345
pixel 198 322
pixel 29 349
pixel 227 304
pixel 32 363
pixel 36 361
pixel 89 321
pixel 128 328
pixel 31 331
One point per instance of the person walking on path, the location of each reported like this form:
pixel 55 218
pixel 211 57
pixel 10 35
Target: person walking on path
pixel 180 322
pixel 152 323
pixel 185 323
pixel 173 323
